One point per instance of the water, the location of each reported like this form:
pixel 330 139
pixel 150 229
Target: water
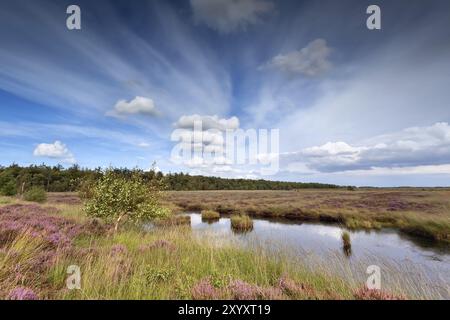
pixel 413 257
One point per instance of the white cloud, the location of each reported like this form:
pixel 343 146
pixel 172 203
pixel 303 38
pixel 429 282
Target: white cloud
pixel 139 105
pixel 203 135
pixel 412 147
pixel 311 60
pixel 230 15
pixel 207 122
pixel 56 150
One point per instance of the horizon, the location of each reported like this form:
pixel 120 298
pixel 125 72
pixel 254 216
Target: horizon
pixel 352 106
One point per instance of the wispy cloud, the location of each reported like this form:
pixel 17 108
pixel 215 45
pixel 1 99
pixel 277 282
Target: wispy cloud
pixel 230 15
pixel 312 60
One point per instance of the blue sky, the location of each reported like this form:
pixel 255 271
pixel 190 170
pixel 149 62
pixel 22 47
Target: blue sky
pixel 352 105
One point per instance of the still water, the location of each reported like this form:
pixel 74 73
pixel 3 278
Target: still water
pixel 411 256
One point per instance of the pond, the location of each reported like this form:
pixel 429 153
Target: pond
pixel 413 257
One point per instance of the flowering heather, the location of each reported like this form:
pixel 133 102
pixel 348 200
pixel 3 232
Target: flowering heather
pixel 204 290
pixel 291 288
pixel 22 293
pixel 242 290
pixel 373 294
pixel 118 250
pixel 272 293
pixel 39 222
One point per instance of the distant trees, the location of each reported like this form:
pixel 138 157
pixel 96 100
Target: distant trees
pixel 15 179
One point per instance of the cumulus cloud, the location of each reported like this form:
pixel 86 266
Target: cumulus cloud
pixel 139 105
pixel 230 15
pixel 311 60
pixel 204 136
pixel 207 122
pixel 411 147
pixel 56 150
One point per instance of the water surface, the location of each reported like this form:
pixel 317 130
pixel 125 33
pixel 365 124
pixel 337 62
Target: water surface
pixel 412 256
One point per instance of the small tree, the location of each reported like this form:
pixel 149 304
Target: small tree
pixel 9 189
pixel 114 197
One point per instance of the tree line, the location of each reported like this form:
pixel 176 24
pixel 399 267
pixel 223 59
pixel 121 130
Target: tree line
pixel 16 179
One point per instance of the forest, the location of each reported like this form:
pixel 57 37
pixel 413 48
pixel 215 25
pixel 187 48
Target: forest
pixel 17 179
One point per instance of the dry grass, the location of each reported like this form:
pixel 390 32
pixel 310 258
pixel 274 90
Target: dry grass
pixel 241 223
pixel 210 215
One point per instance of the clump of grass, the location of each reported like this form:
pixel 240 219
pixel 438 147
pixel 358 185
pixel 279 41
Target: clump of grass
pixel 210 215
pixel 174 220
pixel 241 223
pixel 35 194
pixel 346 243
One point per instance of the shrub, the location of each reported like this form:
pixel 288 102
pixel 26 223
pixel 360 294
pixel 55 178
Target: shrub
pixel 115 197
pixel 86 189
pixel 35 194
pixel 241 223
pixel 210 215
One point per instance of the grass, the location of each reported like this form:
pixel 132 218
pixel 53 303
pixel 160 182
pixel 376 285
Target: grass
pixel 346 243
pixel 419 212
pixel 170 262
pixel 241 222
pixel 210 215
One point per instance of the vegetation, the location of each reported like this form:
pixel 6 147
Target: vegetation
pixel 210 215
pixel 163 263
pixel 115 198
pixel 346 243
pixel 35 194
pixel 59 179
pixel 422 213
pixel 241 222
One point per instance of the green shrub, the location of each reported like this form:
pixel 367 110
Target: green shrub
pixel 8 189
pixel 210 214
pixel 35 194
pixel 115 197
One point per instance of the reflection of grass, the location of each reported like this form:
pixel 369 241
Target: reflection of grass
pixel 241 222
pixel 168 263
pixel 424 213
pixel 210 215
